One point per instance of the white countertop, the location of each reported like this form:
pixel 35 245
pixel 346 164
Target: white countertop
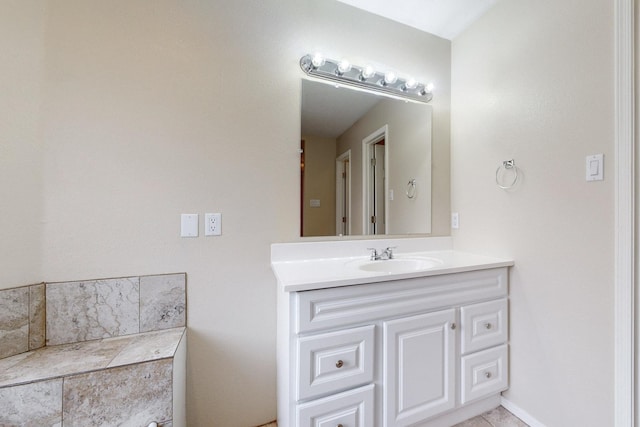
pixel 316 273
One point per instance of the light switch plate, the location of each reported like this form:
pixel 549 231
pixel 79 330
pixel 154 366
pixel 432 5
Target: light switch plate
pixel 595 167
pixel 189 225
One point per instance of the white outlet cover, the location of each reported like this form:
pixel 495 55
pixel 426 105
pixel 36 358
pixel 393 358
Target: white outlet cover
pixel 212 224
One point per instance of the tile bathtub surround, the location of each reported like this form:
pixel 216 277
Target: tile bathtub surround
pixel 21 319
pixel 87 310
pixel 143 390
pixel 35 404
pixel 162 302
pixel 37 317
pixel 82 311
pixel 69 359
pixel 127 381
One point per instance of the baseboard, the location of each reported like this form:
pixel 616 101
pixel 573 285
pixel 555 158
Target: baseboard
pixel 520 413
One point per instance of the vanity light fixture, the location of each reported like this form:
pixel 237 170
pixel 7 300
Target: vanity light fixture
pixel 342 72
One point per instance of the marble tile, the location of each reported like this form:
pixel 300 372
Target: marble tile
pixel 144 391
pixel 81 311
pixel 162 302
pixel 57 361
pixel 500 417
pixel 9 362
pixel 14 321
pixel 474 422
pixel 37 318
pixel 149 346
pixel 35 404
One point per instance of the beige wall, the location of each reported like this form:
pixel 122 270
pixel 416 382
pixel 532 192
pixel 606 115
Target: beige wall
pixel 319 184
pixel 21 184
pixel 121 115
pixel 533 81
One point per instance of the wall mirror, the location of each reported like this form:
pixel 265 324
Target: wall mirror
pixel 365 163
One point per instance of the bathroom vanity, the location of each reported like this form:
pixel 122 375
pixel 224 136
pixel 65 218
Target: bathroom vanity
pixel 418 340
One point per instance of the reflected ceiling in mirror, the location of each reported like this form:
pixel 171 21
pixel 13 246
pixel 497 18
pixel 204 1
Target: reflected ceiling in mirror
pixel 344 191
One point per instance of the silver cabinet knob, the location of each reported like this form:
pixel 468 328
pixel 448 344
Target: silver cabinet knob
pixel 488 325
pixel 487 374
pixel 339 364
pixel 453 326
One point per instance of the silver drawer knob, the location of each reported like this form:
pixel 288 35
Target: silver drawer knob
pixel 339 364
pixel 488 325
pixel 453 326
pixel 487 374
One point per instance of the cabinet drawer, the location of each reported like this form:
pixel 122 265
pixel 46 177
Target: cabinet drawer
pixel 335 361
pixel 349 305
pixel 484 325
pixel 484 373
pixel 353 408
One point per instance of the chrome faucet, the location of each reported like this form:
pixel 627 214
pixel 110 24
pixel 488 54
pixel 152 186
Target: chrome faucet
pixel 384 255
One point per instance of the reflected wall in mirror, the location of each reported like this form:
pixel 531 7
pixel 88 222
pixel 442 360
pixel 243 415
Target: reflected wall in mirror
pixel 365 163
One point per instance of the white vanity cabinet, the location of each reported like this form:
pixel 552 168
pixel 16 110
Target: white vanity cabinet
pixel 423 351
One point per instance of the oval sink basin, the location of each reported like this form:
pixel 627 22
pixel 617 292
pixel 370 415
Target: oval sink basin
pixel 400 265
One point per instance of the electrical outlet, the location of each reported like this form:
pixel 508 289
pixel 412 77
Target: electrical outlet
pixel 212 224
pixel 455 220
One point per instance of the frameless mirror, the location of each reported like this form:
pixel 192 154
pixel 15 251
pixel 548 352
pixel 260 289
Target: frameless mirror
pixel 365 163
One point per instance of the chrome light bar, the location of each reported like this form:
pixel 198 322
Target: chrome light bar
pixel 342 72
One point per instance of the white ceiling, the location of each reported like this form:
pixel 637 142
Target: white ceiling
pixel 444 18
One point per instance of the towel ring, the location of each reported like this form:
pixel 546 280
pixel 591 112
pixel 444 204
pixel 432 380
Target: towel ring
pixel 507 165
pixel 411 189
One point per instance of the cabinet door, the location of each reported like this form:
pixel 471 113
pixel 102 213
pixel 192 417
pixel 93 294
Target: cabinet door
pixel 419 367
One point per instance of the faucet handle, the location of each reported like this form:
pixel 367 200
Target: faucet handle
pixel 374 253
pixel 389 251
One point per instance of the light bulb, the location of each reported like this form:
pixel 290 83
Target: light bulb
pixel 343 66
pixel 429 87
pixel 317 60
pixel 411 84
pixel 390 77
pixel 368 72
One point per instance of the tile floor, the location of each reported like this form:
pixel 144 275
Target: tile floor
pixel 498 417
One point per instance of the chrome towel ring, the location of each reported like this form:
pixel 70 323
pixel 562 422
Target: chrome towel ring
pixel 507 165
pixel 411 189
